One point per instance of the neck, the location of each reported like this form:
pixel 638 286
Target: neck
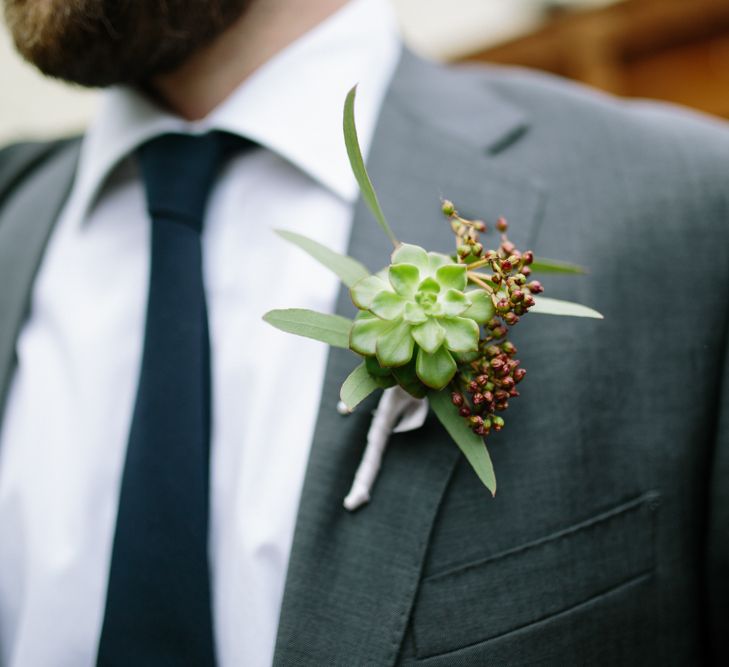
pixel 215 71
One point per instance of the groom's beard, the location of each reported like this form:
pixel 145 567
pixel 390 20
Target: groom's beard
pixel 103 42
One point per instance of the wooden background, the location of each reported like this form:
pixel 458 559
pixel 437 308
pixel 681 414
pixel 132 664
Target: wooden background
pixel 675 50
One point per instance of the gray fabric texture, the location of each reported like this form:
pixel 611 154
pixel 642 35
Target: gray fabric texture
pixel 608 540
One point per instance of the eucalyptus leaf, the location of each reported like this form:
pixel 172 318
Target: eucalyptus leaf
pixel 358 167
pixel 358 386
pixel 330 329
pixel 546 306
pixel 349 270
pixel 543 265
pixel 472 446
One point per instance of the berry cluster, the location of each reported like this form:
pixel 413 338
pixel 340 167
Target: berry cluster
pixel 483 386
pixel 486 387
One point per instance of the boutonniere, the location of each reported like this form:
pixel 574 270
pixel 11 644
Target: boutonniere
pixel 432 329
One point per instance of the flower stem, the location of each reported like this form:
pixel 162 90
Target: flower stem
pixel 483 284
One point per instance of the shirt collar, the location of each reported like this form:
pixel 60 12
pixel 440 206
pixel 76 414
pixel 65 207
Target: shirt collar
pixel 292 105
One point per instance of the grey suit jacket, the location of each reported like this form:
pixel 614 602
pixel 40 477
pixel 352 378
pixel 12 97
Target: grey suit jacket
pixel 608 541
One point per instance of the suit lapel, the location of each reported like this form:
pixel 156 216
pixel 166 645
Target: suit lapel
pixel 26 220
pixel 353 576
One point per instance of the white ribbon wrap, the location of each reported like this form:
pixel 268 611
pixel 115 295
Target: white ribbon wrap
pixel 397 412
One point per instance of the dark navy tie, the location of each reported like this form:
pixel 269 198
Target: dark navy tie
pixel 158 606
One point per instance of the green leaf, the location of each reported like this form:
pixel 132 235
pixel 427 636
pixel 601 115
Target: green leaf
pixel 404 278
pixel 413 313
pixel 461 334
pixel 465 357
pixel 412 254
pixel 364 291
pixel 358 166
pixel 388 305
pixel 395 347
pixel 358 386
pixel 454 303
pixel 436 260
pixel 375 370
pixel 470 444
pixel 482 307
pixel 408 379
pixel 330 329
pixel 546 306
pixel 429 285
pixel 429 335
pixel 452 276
pixel 555 266
pixel 365 331
pixel 349 270
pixel 437 369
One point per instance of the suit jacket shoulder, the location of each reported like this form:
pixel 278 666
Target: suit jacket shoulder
pixel 577 126
pixel 19 159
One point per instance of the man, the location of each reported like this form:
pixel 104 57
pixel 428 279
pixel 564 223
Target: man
pixel 607 542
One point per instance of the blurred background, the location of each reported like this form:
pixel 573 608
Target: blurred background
pixel 675 50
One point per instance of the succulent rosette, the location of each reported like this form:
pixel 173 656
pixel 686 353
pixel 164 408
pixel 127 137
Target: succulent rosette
pixel 419 309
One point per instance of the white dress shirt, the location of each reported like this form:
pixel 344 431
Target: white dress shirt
pixel 64 435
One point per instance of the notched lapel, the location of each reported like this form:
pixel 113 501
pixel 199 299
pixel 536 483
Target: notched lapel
pixel 353 576
pixel 26 220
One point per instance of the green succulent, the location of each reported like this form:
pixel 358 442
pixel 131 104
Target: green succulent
pixel 420 308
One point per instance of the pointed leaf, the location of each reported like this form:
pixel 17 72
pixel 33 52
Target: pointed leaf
pixel 482 307
pixel 454 303
pixel 429 335
pixel 472 446
pixel 358 167
pixel 555 266
pixel 358 386
pixel 330 329
pixel 388 305
pixel 413 313
pixel 404 278
pixel 349 270
pixel 461 334
pixel 436 260
pixel 429 285
pixel 365 331
pixel 412 254
pixel 395 347
pixel 437 369
pixel 546 306
pixel 452 276
pixel 364 291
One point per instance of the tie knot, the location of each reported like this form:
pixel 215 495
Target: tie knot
pixel 179 170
